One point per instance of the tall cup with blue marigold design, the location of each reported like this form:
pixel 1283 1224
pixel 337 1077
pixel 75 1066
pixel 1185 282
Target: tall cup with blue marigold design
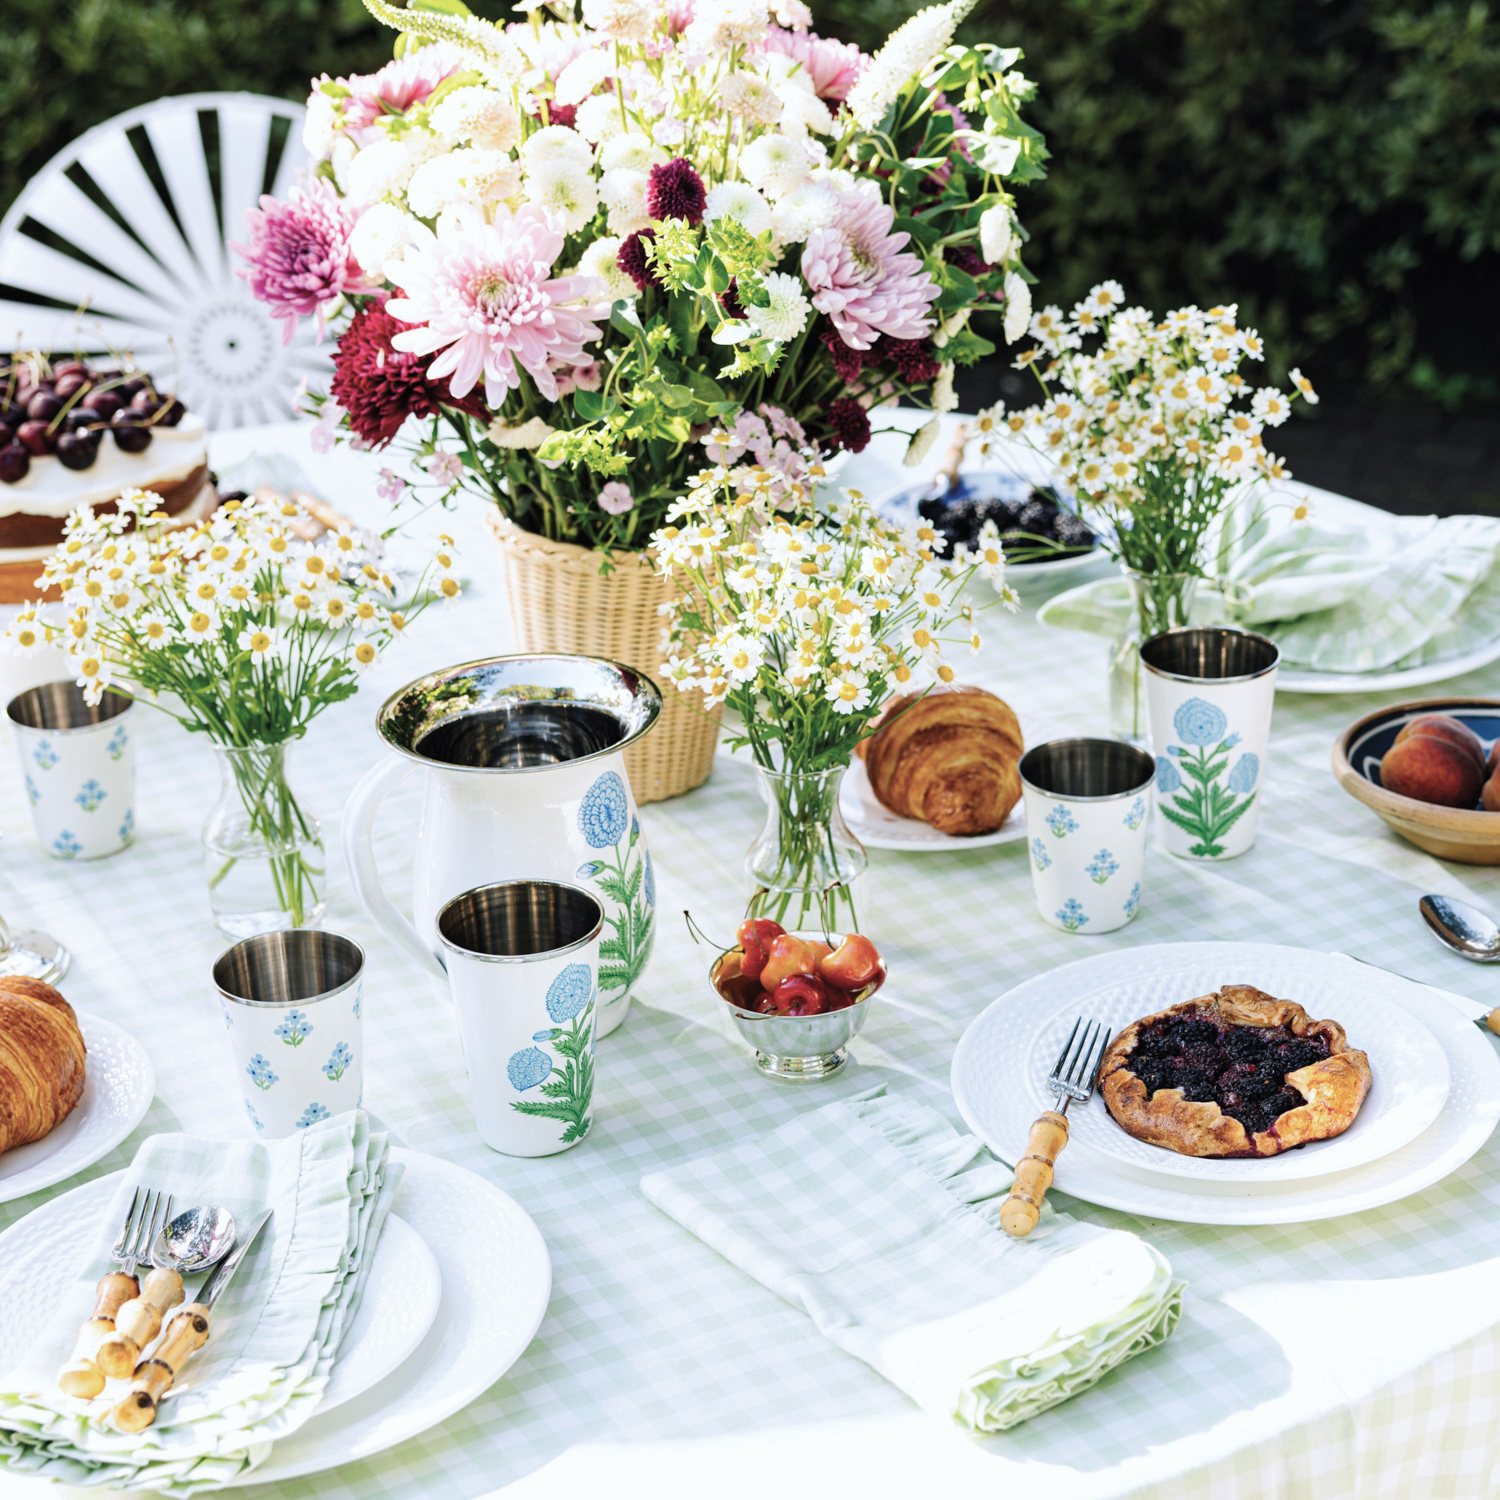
pixel 523 962
pixel 1210 692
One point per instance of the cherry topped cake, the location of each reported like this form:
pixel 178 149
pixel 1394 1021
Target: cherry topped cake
pixel 1234 1073
pixel 73 434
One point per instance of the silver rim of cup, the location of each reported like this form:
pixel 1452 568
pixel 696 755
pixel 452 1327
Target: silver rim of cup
pixel 1120 770
pixel 510 915
pixel 60 708
pixel 295 966
pixel 1210 653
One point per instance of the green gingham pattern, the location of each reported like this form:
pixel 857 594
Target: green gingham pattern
pixel 1353 1356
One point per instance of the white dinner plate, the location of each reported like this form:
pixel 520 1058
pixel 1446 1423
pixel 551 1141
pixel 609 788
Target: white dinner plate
pixel 1408 1065
pixel 1296 680
pixel 1465 1122
pixel 118 1086
pixel 496 1279
pixel 877 827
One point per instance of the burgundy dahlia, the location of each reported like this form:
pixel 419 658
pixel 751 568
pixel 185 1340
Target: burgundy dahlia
pixel 912 359
pixel 632 260
pixel 730 300
pixel 847 362
pixel 849 424
pixel 675 191
pixel 380 387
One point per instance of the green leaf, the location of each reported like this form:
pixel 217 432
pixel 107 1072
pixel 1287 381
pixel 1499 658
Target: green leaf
pixel 614 976
pixel 545 1109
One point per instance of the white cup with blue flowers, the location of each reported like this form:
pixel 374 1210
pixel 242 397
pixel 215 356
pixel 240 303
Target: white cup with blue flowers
pixel 78 768
pixel 1088 807
pixel 523 965
pixel 293 1005
pixel 1209 692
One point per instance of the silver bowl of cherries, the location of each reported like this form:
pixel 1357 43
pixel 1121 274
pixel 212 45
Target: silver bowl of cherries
pixel 796 997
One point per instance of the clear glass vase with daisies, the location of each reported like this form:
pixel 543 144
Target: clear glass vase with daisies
pixel 243 631
pixel 1154 427
pixel 805 619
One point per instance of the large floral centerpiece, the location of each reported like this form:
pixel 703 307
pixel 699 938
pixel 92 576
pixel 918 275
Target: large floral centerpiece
pixel 1153 425
pixel 805 619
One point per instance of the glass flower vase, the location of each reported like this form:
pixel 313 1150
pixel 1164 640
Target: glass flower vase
pixel 1158 601
pixel 263 850
pixel 806 868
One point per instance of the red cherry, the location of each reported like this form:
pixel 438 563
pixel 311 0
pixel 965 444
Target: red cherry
pixel 801 995
pixel 853 964
pixel 789 955
pixel 761 928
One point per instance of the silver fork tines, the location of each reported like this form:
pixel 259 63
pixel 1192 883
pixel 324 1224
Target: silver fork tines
pixel 147 1214
pixel 119 1250
pixel 1073 1075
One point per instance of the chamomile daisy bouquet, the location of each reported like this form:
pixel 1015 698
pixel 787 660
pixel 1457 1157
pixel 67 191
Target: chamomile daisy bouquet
pixel 243 631
pixel 805 619
pixel 569 244
pixel 1153 425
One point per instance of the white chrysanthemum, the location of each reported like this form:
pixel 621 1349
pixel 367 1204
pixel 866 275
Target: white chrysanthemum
pixel 623 192
pixel 381 170
pixel 786 316
pixel 466 175
pixel 775 164
pixel 922 440
pixel 620 20
pixel 750 98
pixel 583 75
pixel 944 397
pixel 320 124
pixel 722 25
pixel 530 434
pixel 740 202
pixel 792 14
pixel 803 210
pixel 382 232
pixel 802 110
pixel 636 151
pixel 341 158
pixel 995 234
pixel 907 51
pixel 598 118
pixel 553 143
pixel 477 117
pixel 564 188
pixel 1017 307
pixel 602 259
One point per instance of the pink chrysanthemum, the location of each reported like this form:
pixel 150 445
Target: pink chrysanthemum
pixel 399 84
pixel 299 254
pixel 831 67
pixel 863 280
pixel 486 297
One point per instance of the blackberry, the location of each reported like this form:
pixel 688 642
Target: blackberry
pixel 1072 531
pixel 1035 517
pixel 1196 1084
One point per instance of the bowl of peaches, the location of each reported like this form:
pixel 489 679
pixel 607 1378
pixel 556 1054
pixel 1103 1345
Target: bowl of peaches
pixel 797 997
pixel 1431 770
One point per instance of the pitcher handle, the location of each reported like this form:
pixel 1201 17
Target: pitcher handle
pixel 359 854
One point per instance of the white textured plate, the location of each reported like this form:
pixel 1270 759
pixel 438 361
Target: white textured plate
pixel 119 1083
pixel 1293 680
pixel 1462 1126
pixel 877 827
pixel 497 1279
pixel 1408 1066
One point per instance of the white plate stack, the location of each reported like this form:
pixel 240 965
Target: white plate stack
pixel 1434 1101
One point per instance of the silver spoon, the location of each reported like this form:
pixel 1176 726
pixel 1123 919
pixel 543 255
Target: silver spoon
pixel 1463 928
pixel 194 1240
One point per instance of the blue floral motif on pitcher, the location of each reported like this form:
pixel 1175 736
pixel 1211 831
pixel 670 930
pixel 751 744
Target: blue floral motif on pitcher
pixel 527 1068
pixel 570 992
pixel 603 815
pixel 1199 722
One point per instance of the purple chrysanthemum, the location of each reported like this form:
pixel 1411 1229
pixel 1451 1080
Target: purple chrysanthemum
pixel 730 300
pixel 633 261
pixel 849 423
pixel 675 191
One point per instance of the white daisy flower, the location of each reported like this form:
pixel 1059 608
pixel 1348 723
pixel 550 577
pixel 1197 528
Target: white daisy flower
pixel 848 693
pixel 1304 387
pixel 1270 406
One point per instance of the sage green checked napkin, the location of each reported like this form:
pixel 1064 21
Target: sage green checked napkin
pixel 1382 594
pixel 881 1221
pixel 276 1329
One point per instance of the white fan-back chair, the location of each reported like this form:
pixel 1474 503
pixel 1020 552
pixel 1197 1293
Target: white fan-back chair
pixel 153 269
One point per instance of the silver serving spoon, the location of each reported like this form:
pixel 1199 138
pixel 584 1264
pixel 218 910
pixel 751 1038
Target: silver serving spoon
pixel 1463 928
pixel 194 1240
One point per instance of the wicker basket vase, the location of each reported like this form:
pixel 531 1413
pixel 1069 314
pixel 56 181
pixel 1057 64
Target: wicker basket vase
pixel 560 602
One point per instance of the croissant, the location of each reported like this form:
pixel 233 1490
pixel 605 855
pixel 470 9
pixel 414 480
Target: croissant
pixel 41 1061
pixel 947 758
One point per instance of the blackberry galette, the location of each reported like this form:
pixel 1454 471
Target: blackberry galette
pixel 1234 1073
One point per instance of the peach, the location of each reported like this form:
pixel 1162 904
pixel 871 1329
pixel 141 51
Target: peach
pixel 1446 727
pixel 1432 768
pixel 1493 763
pixel 1489 798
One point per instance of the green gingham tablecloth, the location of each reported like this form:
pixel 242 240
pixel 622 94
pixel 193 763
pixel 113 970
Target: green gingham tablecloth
pixel 1359 1356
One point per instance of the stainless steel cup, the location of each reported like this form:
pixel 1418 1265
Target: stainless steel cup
pixel 523 965
pixel 293 1004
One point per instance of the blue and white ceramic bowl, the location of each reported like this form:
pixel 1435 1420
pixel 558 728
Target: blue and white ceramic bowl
pixel 1467 836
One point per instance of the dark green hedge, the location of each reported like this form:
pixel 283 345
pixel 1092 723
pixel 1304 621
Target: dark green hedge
pixel 1334 164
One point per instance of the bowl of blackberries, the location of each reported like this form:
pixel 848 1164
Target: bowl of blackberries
pixel 67 410
pixel 1041 533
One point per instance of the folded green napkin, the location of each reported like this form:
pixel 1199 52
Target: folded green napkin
pixel 276 1329
pixel 882 1222
pixel 1345 595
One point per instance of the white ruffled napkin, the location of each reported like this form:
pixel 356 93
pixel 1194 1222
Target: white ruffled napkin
pixel 1382 594
pixel 882 1222
pixel 276 1329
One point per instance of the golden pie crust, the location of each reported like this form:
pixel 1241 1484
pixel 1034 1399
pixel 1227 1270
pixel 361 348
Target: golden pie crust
pixel 1333 1088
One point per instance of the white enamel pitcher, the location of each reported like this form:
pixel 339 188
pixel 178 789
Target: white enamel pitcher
pixel 523 759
